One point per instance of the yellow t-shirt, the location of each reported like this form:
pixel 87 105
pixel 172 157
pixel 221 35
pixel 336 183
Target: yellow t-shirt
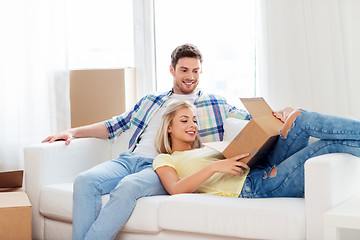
pixel 187 162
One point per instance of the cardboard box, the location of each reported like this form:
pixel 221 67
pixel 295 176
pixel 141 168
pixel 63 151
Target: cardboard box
pixel 99 94
pixel 11 179
pixel 15 215
pixel 257 137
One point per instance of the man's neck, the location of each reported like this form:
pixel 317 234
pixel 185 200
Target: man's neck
pixel 195 92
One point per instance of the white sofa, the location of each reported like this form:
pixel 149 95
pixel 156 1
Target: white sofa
pixel 50 170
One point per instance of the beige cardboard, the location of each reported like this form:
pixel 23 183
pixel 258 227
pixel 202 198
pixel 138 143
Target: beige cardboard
pixel 15 215
pixel 99 94
pixel 257 137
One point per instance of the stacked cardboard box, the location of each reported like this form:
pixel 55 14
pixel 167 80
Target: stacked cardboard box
pixel 15 207
pixel 99 94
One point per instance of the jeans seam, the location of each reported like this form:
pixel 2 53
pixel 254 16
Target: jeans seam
pixel 296 136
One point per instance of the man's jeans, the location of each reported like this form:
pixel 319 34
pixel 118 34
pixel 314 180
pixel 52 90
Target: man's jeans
pixel 127 179
pixel 283 174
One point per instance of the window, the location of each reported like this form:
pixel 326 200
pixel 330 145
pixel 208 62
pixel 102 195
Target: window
pixel 100 34
pixel 224 31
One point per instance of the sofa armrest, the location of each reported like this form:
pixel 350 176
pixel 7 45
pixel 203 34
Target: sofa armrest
pixel 51 163
pixel 329 180
pixel 56 162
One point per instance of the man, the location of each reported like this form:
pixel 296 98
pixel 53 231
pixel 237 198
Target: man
pixel 130 176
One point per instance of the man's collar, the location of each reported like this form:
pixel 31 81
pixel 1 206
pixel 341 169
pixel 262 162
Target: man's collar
pixel 197 91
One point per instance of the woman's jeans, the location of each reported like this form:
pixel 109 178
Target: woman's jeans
pixel 282 175
pixel 127 179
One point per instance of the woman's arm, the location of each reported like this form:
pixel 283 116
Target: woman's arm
pixel 174 185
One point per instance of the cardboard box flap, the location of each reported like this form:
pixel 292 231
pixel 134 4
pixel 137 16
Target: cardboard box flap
pixel 11 179
pixel 269 124
pixel 257 107
pixel 14 199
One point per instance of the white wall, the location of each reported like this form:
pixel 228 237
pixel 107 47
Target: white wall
pixel 308 56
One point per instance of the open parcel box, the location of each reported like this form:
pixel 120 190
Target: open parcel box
pixel 257 137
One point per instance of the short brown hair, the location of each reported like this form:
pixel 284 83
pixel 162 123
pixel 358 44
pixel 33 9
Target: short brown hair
pixel 185 50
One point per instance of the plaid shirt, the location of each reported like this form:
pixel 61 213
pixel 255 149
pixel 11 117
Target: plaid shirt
pixel 212 110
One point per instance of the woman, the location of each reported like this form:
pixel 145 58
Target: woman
pixel 184 168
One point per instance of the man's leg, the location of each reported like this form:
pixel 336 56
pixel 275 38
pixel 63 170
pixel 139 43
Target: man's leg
pixel 90 185
pixel 123 200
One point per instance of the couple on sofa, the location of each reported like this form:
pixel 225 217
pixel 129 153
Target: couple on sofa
pixel 178 120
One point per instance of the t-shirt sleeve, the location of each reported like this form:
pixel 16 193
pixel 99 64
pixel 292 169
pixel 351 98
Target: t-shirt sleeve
pixel 163 160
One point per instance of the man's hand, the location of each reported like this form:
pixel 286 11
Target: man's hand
pixel 66 135
pixel 283 114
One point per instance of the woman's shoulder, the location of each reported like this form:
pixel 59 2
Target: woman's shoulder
pixel 163 156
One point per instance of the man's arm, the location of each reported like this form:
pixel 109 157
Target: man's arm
pixel 98 130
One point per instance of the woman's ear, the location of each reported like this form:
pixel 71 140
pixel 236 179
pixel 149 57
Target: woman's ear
pixel 169 130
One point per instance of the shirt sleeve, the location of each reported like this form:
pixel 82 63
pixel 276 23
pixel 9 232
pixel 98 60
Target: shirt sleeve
pixel 163 160
pixel 238 113
pixel 121 123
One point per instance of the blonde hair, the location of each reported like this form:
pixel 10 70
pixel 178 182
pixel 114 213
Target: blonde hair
pixel 163 139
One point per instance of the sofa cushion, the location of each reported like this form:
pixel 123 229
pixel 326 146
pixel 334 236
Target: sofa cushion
pixel 144 218
pixel 56 203
pixel 271 218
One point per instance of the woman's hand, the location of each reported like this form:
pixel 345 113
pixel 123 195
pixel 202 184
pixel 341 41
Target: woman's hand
pixel 232 165
pixel 283 114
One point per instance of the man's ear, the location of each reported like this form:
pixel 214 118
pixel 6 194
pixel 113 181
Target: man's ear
pixel 172 70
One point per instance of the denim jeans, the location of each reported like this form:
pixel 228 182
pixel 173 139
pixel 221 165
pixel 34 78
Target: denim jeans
pixel 127 179
pixel 335 134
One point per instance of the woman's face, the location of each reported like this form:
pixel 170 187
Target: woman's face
pixel 183 127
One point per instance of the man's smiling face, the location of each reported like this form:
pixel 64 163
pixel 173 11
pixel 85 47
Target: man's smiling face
pixel 186 75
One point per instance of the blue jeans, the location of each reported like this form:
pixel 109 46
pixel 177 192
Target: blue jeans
pixel 335 134
pixel 127 179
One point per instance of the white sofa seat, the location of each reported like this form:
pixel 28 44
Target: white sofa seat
pixel 198 213
pixel 56 203
pixel 50 170
pixel 277 218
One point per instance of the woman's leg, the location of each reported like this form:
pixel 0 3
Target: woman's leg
pixel 303 124
pixel 287 178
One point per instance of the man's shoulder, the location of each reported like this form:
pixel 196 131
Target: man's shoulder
pixel 206 95
pixel 210 97
pixel 154 95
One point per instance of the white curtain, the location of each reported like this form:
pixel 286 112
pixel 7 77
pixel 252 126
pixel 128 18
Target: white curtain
pixel 34 98
pixel 307 54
